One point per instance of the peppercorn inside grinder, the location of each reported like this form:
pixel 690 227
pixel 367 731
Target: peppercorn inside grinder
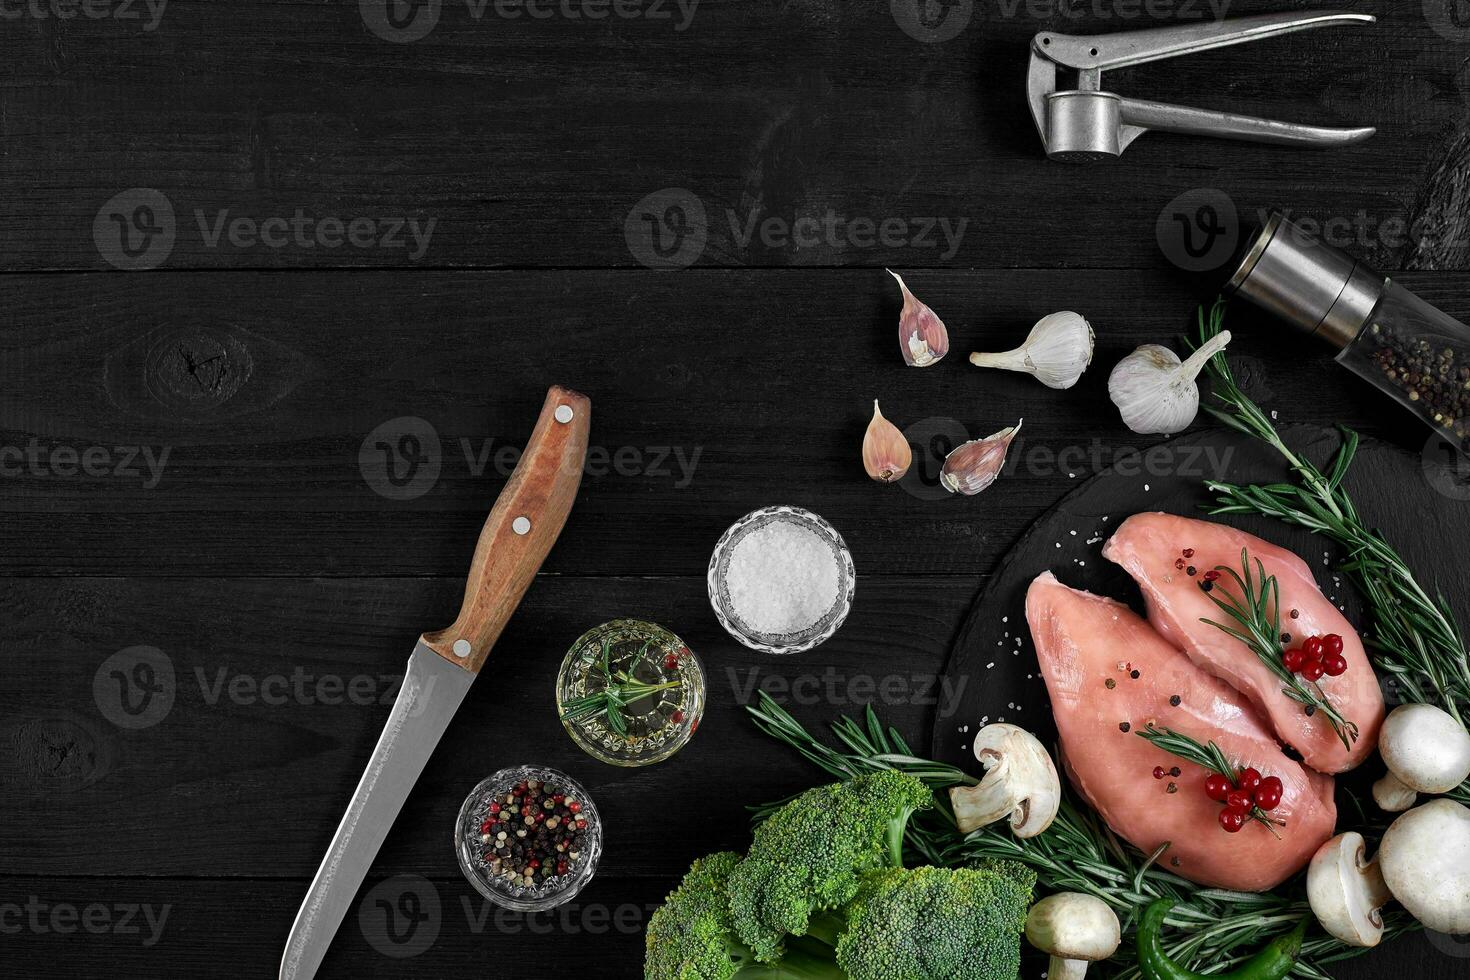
pixel 528 838
pixel 1402 345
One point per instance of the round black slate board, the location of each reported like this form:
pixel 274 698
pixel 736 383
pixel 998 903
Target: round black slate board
pixel 1419 502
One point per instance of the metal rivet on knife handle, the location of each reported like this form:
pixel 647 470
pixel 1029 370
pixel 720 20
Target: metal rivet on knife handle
pixel 462 648
pixel 521 528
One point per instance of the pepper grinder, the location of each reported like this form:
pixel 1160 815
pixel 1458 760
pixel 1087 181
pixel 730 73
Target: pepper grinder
pixel 1381 331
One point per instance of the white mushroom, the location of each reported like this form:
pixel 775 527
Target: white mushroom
pixel 1076 929
pixel 1020 782
pixel 1426 751
pixel 1425 859
pixel 1346 890
pixel 1423 862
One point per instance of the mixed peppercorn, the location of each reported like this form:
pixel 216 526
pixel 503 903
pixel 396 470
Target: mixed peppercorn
pixel 532 833
pixel 1435 379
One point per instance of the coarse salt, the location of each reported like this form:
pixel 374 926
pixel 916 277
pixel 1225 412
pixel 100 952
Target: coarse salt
pixel 782 578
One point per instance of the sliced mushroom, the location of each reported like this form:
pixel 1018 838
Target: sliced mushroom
pixel 1426 751
pixel 1346 890
pixel 1423 862
pixel 1076 929
pixel 1425 858
pixel 1020 782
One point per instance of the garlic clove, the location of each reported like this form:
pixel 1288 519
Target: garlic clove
pixel 1056 351
pixel 1155 392
pixel 973 466
pixel 886 453
pixel 921 334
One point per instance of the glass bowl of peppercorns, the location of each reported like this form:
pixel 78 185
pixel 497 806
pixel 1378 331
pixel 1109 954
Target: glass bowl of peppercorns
pixel 528 838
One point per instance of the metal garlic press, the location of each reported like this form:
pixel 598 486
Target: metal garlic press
pixel 1086 123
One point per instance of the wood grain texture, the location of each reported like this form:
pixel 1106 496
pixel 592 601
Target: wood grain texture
pixel 521 529
pixel 718 392
pixel 529 142
pixel 379 244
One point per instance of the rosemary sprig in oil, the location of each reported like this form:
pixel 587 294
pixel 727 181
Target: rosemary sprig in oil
pixel 619 689
pixel 1257 616
pixel 1206 755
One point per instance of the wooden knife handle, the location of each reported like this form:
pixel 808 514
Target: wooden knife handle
pixel 521 528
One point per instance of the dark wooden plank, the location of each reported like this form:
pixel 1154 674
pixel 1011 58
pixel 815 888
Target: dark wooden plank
pixel 530 142
pixel 247 757
pixel 713 392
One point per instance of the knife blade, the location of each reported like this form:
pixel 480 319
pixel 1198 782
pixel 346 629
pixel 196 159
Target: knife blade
pixel 522 526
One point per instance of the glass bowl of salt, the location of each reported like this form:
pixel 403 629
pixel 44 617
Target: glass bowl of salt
pixel 781 580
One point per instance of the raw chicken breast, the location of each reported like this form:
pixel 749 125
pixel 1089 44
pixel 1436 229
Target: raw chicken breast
pixel 1147 545
pixel 1082 642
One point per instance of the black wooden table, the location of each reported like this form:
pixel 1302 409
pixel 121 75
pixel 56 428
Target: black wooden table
pixel 245 243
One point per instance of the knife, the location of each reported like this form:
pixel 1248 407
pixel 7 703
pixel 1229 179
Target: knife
pixel 521 528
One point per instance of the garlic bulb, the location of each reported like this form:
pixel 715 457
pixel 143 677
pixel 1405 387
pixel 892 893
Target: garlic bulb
pixel 921 335
pixel 973 466
pixel 1057 351
pixel 1155 392
pixel 886 453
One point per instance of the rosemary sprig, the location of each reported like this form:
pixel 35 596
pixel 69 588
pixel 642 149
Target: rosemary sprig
pixel 1210 928
pixel 618 690
pixel 1208 756
pixel 1414 638
pixel 1257 614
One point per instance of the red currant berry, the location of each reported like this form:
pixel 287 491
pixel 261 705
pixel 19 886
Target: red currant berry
pixel 1332 643
pixel 1293 660
pixel 1249 779
pixel 671 662
pixel 1238 799
pixel 1217 787
pixel 1313 670
pixel 1335 664
pixel 1312 647
pixel 1268 794
pixel 1232 820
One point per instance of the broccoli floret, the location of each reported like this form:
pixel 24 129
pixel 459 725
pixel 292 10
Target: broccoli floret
pixel 937 924
pixel 691 936
pixel 808 856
